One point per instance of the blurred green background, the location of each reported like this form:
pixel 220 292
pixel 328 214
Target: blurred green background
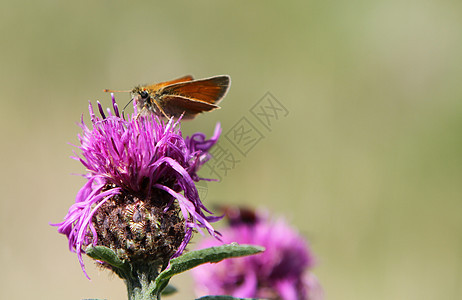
pixel 367 164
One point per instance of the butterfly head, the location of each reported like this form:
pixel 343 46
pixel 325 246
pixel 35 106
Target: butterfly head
pixel 141 96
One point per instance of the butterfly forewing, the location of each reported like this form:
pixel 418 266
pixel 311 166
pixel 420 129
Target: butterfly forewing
pixel 210 90
pixel 155 87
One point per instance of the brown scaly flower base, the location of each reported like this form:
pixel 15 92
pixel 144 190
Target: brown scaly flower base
pixel 139 231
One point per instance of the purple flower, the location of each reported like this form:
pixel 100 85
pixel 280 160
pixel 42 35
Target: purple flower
pixel 136 169
pixel 280 272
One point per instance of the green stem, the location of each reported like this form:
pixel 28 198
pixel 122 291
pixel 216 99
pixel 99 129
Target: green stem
pixel 140 281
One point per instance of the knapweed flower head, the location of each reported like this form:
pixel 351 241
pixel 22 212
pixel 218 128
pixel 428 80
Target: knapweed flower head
pixel 140 199
pixel 280 272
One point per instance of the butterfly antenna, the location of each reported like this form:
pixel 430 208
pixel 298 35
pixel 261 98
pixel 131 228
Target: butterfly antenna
pixel 123 110
pixel 114 91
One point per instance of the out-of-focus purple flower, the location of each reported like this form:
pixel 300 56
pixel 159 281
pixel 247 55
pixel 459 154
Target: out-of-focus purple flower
pixel 136 168
pixel 280 272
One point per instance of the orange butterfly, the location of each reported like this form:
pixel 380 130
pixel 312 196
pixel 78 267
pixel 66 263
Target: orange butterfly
pixel 183 96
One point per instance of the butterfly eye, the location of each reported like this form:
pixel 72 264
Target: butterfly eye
pixel 144 94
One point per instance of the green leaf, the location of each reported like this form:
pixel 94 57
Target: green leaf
pixel 169 289
pixel 105 254
pixel 223 298
pixel 193 259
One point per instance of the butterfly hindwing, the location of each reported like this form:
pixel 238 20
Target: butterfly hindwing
pixel 178 105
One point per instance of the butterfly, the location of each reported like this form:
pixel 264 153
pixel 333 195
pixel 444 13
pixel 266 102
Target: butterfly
pixel 184 96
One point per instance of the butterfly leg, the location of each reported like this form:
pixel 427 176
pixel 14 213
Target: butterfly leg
pixel 160 108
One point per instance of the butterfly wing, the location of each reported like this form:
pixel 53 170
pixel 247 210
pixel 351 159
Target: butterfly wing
pixel 177 105
pixel 155 87
pixel 209 90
